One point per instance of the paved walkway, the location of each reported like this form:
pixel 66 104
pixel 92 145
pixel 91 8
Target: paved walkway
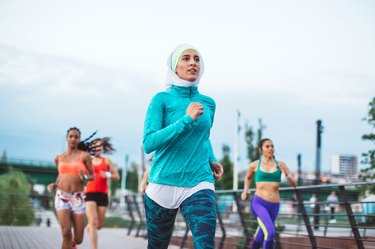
pixel 50 238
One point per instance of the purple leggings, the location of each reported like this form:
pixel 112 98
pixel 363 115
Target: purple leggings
pixel 266 213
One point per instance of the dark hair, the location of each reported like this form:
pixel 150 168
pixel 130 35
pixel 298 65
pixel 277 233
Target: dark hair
pixel 262 142
pixel 107 146
pixel 85 144
pixel 71 129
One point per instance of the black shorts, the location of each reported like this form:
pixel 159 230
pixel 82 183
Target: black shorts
pixel 101 199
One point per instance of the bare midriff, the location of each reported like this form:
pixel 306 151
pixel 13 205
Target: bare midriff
pixel 268 191
pixel 69 183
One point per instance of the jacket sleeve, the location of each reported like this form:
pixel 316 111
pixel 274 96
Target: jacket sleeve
pixel 211 155
pixel 155 136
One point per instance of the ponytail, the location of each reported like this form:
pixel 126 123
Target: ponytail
pixel 105 144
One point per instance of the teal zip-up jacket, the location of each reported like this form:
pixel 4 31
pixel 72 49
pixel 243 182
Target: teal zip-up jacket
pixel 183 151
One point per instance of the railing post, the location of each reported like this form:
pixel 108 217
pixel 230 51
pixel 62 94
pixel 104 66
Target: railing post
pixel 130 213
pixel 224 235
pixel 349 213
pixel 305 217
pixel 242 219
pixel 144 209
pixel 139 215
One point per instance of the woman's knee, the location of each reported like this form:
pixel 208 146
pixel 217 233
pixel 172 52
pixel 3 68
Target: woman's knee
pixel 66 233
pixel 78 240
pixel 94 222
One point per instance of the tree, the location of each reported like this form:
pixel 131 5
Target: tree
pixel 132 178
pixel 4 157
pixel 15 205
pixel 227 180
pixel 252 140
pixel 368 158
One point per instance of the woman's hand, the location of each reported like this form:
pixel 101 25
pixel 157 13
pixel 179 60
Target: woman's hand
pixel 52 187
pixel 245 194
pixel 83 176
pixel 217 169
pixel 142 189
pixel 194 110
pixel 105 174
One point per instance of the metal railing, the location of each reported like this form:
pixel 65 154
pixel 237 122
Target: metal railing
pixel 298 225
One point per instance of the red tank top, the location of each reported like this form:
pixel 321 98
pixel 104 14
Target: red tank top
pixel 99 184
pixel 72 168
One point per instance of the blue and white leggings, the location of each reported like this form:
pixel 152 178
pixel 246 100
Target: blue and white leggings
pixel 199 211
pixel 266 213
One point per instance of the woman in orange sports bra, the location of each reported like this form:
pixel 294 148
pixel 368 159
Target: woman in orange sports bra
pixel 97 190
pixel 74 168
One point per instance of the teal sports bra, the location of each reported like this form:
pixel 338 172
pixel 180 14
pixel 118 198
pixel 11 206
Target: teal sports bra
pixel 261 176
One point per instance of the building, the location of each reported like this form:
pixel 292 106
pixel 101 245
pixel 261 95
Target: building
pixel 345 166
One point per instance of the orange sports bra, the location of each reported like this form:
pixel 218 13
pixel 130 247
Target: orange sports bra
pixel 72 168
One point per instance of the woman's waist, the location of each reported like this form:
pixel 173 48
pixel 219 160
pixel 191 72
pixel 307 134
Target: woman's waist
pixel 271 196
pixel 61 192
pixel 181 178
pixel 97 186
pixel 70 184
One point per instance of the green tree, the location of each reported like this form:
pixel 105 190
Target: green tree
pixel 252 140
pixel 132 177
pixel 15 205
pixel 4 157
pixel 227 180
pixel 368 158
pixel 114 185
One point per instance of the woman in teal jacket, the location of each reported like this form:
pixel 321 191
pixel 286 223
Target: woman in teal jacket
pixel 184 168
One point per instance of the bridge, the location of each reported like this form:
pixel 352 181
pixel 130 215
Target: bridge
pixel 37 172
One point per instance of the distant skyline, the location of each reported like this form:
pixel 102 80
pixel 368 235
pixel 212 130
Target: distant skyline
pixel 96 65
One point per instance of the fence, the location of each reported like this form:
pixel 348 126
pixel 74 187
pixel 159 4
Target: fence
pixel 300 224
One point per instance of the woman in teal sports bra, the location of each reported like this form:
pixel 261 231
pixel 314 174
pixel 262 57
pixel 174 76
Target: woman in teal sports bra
pixel 266 201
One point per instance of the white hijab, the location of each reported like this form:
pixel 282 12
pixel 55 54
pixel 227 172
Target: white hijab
pixel 172 78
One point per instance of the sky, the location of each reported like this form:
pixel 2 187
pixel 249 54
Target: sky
pixel 96 65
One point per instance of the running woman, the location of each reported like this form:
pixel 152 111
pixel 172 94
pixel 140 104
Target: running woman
pixel 177 127
pixel 74 169
pixel 97 190
pixel 265 203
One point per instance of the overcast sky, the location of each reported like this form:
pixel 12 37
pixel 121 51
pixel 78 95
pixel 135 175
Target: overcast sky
pixel 96 65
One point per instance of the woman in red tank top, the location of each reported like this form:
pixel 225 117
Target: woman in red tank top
pixel 74 168
pixel 97 190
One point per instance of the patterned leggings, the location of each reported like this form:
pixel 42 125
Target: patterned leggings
pixel 199 211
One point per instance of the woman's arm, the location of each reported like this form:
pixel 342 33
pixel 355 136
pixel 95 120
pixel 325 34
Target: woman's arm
pixel 53 186
pixel 211 155
pixel 114 175
pixel 155 136
pixel 247 181
pixel 144 181
pixel 288 174
pixel 88 165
